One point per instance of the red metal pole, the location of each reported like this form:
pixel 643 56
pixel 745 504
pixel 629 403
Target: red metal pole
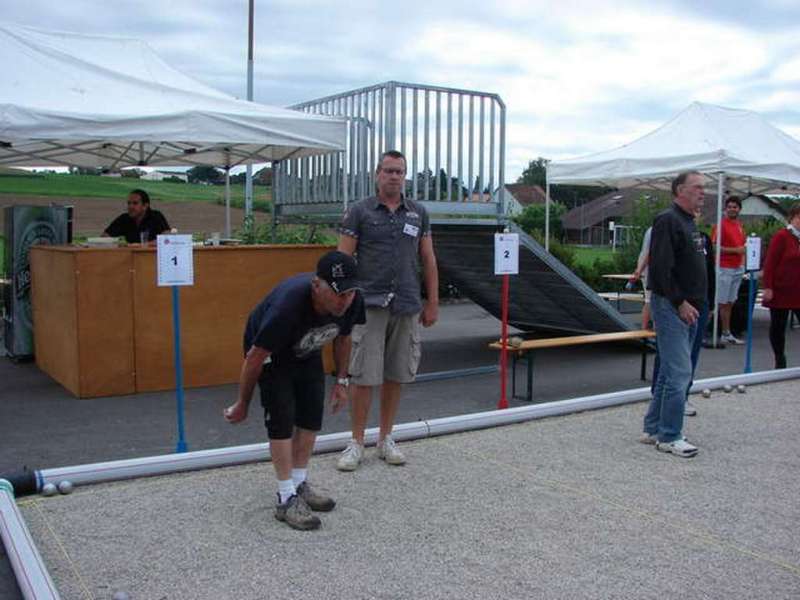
pixel 504 341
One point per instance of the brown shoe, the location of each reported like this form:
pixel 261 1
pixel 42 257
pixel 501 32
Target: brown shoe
pixel 314 500
pixel 296 514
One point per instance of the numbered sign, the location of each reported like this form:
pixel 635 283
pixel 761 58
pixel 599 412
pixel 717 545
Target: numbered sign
pixel 175 260
pixel 506 254
pixel 753 254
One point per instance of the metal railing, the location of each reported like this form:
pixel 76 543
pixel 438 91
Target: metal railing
pixel 453 139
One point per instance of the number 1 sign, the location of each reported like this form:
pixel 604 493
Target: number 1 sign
pixel 175 260
pixel 175 265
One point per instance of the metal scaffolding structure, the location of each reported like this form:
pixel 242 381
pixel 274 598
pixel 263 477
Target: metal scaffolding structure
pixel 453 139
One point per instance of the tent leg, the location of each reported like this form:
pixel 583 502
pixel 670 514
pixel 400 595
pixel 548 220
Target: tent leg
pixel 717 252
pixel 546 212
pixel 227 202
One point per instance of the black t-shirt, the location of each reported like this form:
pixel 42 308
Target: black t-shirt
pixel 286 324
pixel 153 223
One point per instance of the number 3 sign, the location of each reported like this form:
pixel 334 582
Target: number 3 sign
pixel 175 261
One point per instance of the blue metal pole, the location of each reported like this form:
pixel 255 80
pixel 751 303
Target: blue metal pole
pixel 751 296
pixel 176 327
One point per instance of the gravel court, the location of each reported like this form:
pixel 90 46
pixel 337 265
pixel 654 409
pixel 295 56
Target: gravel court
pixel 567 507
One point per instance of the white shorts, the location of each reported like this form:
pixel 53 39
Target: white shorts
pixel 729 282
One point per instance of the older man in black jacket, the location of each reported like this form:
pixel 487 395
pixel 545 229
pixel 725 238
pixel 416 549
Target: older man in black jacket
pixel 679 285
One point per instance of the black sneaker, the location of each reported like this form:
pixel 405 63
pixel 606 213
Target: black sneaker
pixel 315 500
pixel 296 514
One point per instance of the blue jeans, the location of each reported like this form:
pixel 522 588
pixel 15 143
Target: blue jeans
pixel 674 340
pixel 702 321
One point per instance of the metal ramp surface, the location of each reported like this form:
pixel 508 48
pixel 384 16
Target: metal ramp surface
pixel 545 295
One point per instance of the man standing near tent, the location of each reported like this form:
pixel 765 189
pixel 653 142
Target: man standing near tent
pixel 389 233
pixel 282 342
pixel 679 284
pixel 731 264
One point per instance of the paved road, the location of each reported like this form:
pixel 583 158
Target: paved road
pixel 43 426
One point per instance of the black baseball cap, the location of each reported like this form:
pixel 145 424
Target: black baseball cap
pixel 339 270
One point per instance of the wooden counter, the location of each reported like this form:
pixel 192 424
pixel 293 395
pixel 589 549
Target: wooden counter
pixel 103 328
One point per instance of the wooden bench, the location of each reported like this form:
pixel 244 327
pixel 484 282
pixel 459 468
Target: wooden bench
pixel 528 348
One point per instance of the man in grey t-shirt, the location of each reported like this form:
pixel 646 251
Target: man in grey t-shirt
pixel 388 234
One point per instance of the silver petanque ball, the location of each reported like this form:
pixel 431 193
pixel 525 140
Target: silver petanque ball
pixel 706 393
pixel 741 388
pixel 49 489
pixel 121 596
pixel 728 388
pixel 65 487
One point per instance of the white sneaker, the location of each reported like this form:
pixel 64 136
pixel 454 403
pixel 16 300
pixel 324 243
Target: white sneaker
pixel 351 456
pixel 388 451
pixel 679 447
pixel 689 410
pixel 729 338
pixel 648 438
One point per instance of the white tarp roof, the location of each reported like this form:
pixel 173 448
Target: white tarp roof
pixel 97 101
pixel 754 155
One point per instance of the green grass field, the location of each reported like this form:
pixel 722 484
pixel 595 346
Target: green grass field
pixel 586 256
pixel 93 186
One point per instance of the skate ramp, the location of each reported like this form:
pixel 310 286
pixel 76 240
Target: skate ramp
pixel 545 296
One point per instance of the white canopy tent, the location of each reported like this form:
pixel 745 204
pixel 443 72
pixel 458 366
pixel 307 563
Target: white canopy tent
pixel 738 149
pixel 95 101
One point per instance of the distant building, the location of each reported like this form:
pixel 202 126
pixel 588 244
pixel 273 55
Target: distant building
pixel 761 207
pixel 520 195
pixel 162 175
pixel 478 197
pixel 588 224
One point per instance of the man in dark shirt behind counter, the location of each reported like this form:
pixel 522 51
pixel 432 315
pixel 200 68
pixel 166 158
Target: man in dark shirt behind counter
pixel 141 223
pixel 679 284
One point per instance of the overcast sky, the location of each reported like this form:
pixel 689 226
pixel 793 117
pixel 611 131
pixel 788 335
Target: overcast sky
pixel 577 77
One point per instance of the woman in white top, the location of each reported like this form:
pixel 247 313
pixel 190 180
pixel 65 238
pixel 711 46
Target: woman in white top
pixel 641 273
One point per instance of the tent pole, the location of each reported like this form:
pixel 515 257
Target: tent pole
pixel 248 184
pixel 345 196
pixel 227 202
pixel 277 194
pixel 717 253
pixel 546 212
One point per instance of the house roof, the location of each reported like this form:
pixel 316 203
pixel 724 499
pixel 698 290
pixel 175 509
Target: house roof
pixel 620 203
pixel 526 194
pixel 612 205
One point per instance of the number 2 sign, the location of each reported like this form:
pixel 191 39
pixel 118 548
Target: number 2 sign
pixel 506 254
pixel 175 260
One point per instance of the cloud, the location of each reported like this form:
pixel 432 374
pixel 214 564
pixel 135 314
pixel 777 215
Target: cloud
pixel 577 77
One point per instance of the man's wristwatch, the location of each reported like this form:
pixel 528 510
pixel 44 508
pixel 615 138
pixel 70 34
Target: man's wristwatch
pixel 343 381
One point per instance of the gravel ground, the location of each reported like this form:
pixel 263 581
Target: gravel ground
pixel 567 507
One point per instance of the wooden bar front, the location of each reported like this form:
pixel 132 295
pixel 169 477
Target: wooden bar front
pixel 102 327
